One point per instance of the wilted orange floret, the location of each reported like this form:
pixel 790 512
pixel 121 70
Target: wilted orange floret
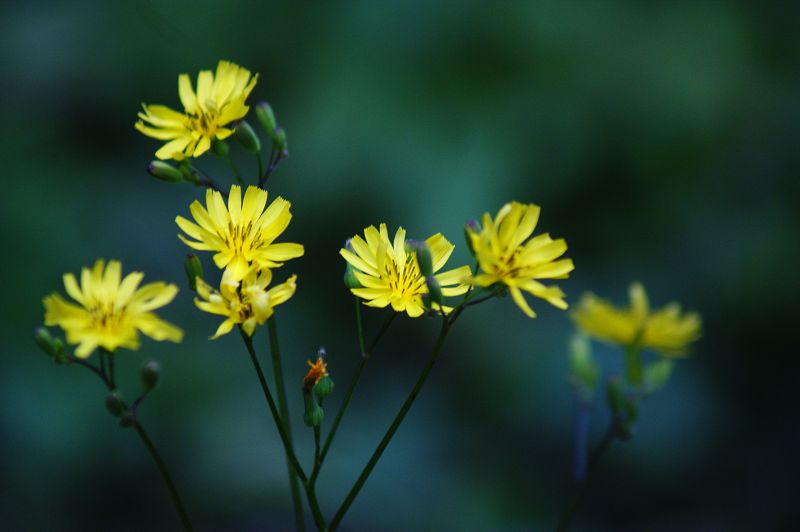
pixel 319 369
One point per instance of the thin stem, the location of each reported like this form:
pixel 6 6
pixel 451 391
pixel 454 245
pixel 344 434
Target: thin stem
pixel 94 369
pixel 365 354
pixel 611 434
pixel 260 165
pixel 581 439
pixel 111 375
pixel 376 455
pixel 162 467
pixel 274 159
pixel 316 447
pixel 280 389
pixel 633 365
pixel 234 170
pixel 202 179
pixel 312 499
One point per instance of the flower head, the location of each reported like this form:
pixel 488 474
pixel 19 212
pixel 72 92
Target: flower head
pixel 663 330
pixel 242 233
pixel 110 310
pixel 245 302
pixel 219 100
pixel 389 273
pixel 317 370
pixel 506 255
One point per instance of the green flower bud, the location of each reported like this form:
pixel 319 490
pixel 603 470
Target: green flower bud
pixel 245 136
pixel 219 147
pixel 584 372
pixel 350 279
pixel 279 138
pixel 323 388
pixel 165 172
pixel 657 374
pixel 314 413
pixel 52 346
pixel 434 290
pixel 193 269
pixel 472 226
pixel 150 374
pixel 116 404
pixel 186 170
pixel 266 117
pixel 423 254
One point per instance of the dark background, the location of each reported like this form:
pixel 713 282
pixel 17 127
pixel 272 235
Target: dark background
pixel 660 139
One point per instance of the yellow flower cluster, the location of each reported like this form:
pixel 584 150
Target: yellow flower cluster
pixel 664 330
pixel 242 233
pixel 219 100
pixel 110 310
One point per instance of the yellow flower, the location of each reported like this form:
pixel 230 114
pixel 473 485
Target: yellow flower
pixel 241 233
pixel 505 255
pixel 389 273
pixel 247 302
pixel 220 99
pixel 663 330
pixel 111 311
pixel 317 370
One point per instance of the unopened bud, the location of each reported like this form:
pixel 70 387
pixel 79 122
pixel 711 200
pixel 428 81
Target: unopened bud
pixel 165 172
pixel 313 414
pixel 266 118
pixel 279 138
pixel 471 228
pixel 323 388
pixel 219 147
pixel 116 404
pixel 150 374
pixel 434 290
pixel 193 269
pixel 245 136
pixel 423 254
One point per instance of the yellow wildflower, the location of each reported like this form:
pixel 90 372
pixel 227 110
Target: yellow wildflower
pixel 246 302
pixel 111 311
pixel 317 370
pixel 663 330
pixel 241 233
pixel 389 273
pixel 505 255
pixel 220 99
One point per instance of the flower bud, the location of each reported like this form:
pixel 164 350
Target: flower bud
pixel 219 147
pixel 150 374
pixel 193 269
pixel 116 404
pixel 313 414
pixel 470 228
pixel 323 388
pixel 279 138
pixel 657 374
pixel 52 346
pixel 266 117
pixel 423 254
pixel 434 290
pixel 350 279
pixel 245 136
pixel 165 172
pixel 584 372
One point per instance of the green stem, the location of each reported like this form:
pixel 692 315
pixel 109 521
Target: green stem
pixel 610 435
pixel 312 499
pixel 280 389
pixel 365 354
pixel 234 170
pixel 162 467
pixel 376 455
pixel 633 365
pixel 260 165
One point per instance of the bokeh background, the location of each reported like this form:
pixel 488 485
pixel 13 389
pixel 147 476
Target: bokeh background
pixel 660 139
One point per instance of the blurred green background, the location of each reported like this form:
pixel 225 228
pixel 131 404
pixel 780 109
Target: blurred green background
pixel 660 139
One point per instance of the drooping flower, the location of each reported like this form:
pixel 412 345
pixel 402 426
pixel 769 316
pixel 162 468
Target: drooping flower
pixel 243 232
pixel 507 256
pixel 245 302
pixel 110 310
pixel 219 100
pixel 317 370
pixel 664 330
pixel 389 273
